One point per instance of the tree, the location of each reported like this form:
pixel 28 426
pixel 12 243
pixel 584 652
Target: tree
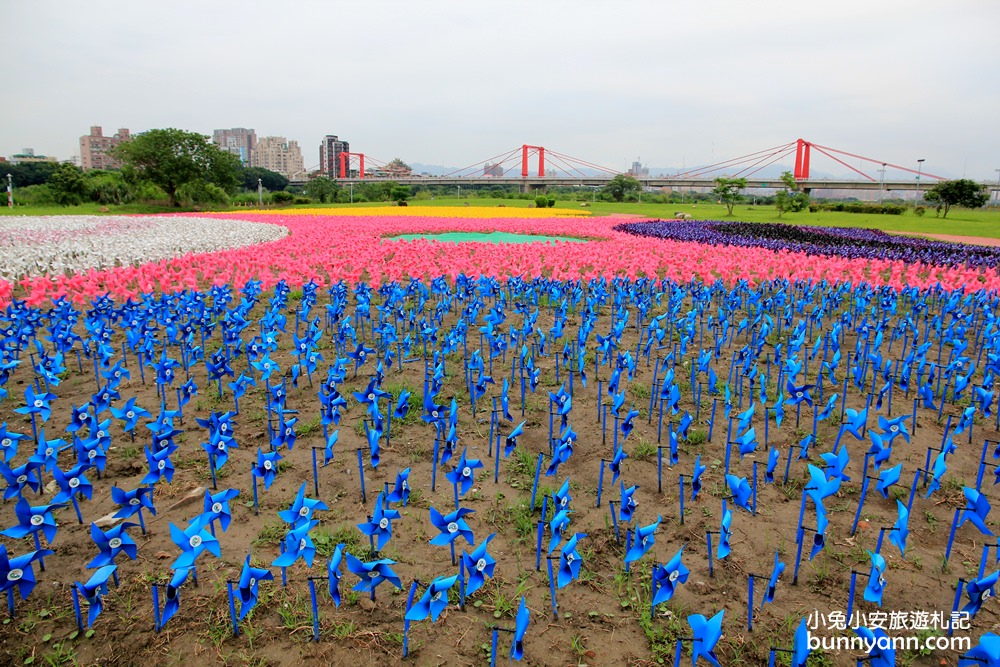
pixel 728 190
pixel 790 199
pixel 960 192
pixel 398 169
pixel 620 186
pixel 172 158
pixel 68 185
pixel 400 194
pixel 270 180
pixel 322 189
pixel 28 173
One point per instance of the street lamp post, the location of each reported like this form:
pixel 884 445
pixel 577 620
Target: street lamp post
pixel 460 192
pixel 352 192
pixel 260 192
pixel 881 182
pixel 920 168
pixel 10 191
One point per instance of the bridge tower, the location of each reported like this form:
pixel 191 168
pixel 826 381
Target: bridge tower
pixel 524 160
pixel 802 150
pixel 345 156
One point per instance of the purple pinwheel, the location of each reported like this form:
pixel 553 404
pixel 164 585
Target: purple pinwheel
pixel 217 507
pixel 876 579
pixel 706 634
pixel 302 509
pixel 193 541
pixel 33 519
pixel 479 564
pixel 297 545
pixel 92 591
pixel 645 537
pixel 17 573
pixel 667 577
pixel 772 583
pixel 569 561
pixel 267 467
pixel 379 526
pixel 451 526
pixel 433 601
pixel 333 573
pixel 401 491
pixel 510 442
pixel 250 577
pixel 372 573
pixel 111 543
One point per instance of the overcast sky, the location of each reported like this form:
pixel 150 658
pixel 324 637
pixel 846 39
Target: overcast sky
pixel 677 83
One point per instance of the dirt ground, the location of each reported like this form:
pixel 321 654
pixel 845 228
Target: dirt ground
pixel 602 618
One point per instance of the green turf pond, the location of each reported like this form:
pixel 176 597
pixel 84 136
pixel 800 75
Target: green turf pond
pixel 484 237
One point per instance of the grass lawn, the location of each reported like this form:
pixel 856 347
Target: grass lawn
pixel 963 222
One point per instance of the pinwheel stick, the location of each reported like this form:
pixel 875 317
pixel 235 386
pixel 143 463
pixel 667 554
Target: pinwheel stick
pixel 315 471
pixel 680 497
pixel 361 476
pixel 552 587
pixel 538 470
pixel 951 534
pixel 256 501
pixel 156 608
pixel 315 607
pixel 600 482
pixel 232 608
pixel 850 592
pixel 750 579
pixel 711 423
pixel 986 552
pixel 76 609
pixel 406 622
pixel 614 521
pixel 708 542
pixel 881 536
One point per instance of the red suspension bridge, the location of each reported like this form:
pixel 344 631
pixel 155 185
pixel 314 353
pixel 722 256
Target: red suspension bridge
pixel 535 167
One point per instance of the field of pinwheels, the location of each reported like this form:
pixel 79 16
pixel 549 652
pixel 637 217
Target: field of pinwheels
pixel 303 443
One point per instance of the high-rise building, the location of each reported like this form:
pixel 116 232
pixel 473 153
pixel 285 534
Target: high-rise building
pixel 491 170
pixel 239 141
pixel 94 148
pixel 329 156
pixel 280 156
pixel 27 155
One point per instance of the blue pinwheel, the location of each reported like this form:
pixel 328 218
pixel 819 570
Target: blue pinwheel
pixel 977 507
pixel 559 522
pixel 699 469
pixel 978 591
pixel 827 410
pixel 797 395
pixel 510 442
pixel 645 537
pixel 561 498
pixel 193 541
pixel 360 356
pixel 36 404
pixel 819 487
pixel 740 490
pixel 334 574
pixel 371 396
pixel 725 534
pixel 402 405
pixel 563 402
pixel 379 525
pixel 819 537
pixel 616 463
pixel 667 577
pixel 855 422
pixel 836 463
pixel 372 573
pixel 479 564
pixel 773 456
pixel 9 442
pixel 772 583
pixel 876 579
pixel 462 476
pixel 92 591
pixel 433 601
pixel 132 502
pixel 250 578
pixel 894 427
pixel 17 573
pixel 160 466
pixel 173 594
pixel 267 467
pixel 217 507
pixel 130 414
pixel 505 401
pixel 111 543
pixel 900 530
pixel 25 475
pixel 627 505
pixel 451 526
pixel 881 652
pixel 298 545
pixel 401 491
pixel 881 450
pixel 938 469
pixel 985 653
pixel 520 628
pixel 800 645
pixel 627 423
pixel 32 520
pixel 747 443
pixel 705 635
pixel 302 508
pixel 569 561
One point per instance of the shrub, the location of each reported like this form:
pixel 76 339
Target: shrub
pixel 541 201
pixel 282 197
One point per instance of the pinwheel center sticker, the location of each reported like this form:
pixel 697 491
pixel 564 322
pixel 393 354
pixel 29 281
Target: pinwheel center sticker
pixel 15 574
pixel 37 520
pixel 452 527
pixel 114 542
pixel 195 541
pixel 217 507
